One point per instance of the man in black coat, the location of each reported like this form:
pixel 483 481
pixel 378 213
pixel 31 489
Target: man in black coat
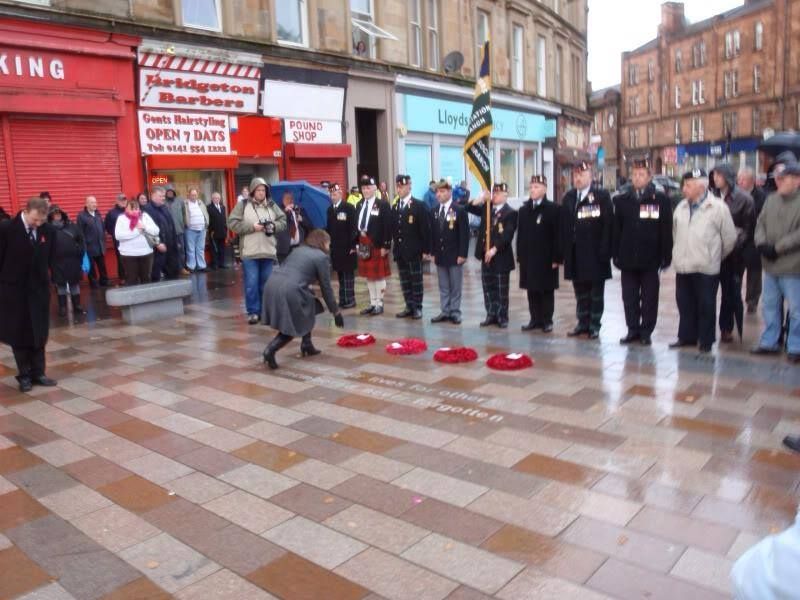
pixel 217 230
pixel 374 218
pixel 166 260
pixel 110 223
pixel 94 234
pixel 746 180
pixel 587 223
pixel 26 254
pixel 343 230
pixel 642 243
pixel 497 264
pixel 412 241
pixel 539 254
pixel 450 248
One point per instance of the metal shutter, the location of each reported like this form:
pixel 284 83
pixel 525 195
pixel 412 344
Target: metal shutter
pixel 5 191
pixel 314 170
pixel 70 158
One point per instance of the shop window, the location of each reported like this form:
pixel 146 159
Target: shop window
pixel 291 18
pixel 365 32
pixel 509 170
pixel 433 34
pixel 206 182
pixel 541 66
pixel 518 58
pixel 451 164
pixel 202 14
pixel 415 37
pixel 530 165
pixel 418 165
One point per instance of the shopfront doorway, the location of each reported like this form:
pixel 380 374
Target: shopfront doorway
pixel 367 142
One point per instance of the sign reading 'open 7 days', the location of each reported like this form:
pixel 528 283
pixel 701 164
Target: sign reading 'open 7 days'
pixel 170 132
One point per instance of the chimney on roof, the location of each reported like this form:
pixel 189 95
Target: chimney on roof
pixel 673 19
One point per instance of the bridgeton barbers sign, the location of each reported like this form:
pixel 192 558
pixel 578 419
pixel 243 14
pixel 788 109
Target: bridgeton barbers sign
pixel 199 91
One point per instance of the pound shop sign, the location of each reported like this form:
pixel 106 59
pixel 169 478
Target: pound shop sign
pixel 312 131
pixel 197 91
pixel 166 132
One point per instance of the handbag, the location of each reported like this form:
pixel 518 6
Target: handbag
pixel 152 240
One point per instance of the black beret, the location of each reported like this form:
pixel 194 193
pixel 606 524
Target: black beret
pixel 539 179
pixel 500 187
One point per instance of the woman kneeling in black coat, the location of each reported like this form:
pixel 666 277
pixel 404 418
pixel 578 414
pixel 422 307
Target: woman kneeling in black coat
pixel 67 259
pixel 289 305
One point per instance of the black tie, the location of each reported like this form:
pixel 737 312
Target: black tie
pixel 32 235
pixel 363 225
pixel 441 213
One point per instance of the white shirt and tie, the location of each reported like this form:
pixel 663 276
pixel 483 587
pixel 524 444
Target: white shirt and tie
pixel 444 209
pixel 366 211
pixel 29 230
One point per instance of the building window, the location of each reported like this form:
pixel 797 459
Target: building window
pixel 677 131
pixel 481 35
pixel 756 120
pixel 291 17
pixel 650 103
pixel 596 123
pixel 636 106
pixel 415 37
pixel 756 79
pixel 726 84
pixel 365 32
pixel 735 83
pixel 678 60
pixel 433 34
pixel 541 66
pixel 630 107
pixel 697 129
pixel 732 44
pixel 631 138
pixel 577 81
pixel 651 71
pixel 633 74
pixel 650 135
pixel 701 91
pixel 730 124
pixel 702 53
pixel 201 14
pixel 695 56
pixel 518 58
pixel 559 71
pixel 677 96
pixel 758 36
pixel 695 95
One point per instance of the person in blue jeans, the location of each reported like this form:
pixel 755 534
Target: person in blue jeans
pixel 195 215
pixel 256 220
pixel 777 238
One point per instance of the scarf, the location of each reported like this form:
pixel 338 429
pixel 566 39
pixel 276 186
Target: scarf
pixel 133 216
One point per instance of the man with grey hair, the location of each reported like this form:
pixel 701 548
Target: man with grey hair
pixel 110 224
pixel 703 234
pixel 165 256
pixel 90 222
pixel 746 180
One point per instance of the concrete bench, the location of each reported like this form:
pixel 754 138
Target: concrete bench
pixel 150 301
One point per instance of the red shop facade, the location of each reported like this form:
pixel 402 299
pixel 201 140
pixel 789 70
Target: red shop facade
pixel 198 120
pixel 67 115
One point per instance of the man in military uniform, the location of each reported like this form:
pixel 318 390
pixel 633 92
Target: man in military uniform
pixel 450 247
pixel 587 225
pixel 497 264
pixel 539 254
pixel 642 244
pixel 374 218
pixel 412 240
pixel 343 230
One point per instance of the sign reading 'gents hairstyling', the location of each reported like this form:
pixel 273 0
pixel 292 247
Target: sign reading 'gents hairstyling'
pixel 172 132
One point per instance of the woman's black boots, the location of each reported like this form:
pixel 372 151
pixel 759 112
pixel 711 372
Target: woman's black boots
pixel 278 342
pixel 307 346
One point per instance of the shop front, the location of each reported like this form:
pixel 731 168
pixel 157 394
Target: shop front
pixel 310 105
pixel 198 121
pixel 432 128
pixel 740 153
pixel 67 115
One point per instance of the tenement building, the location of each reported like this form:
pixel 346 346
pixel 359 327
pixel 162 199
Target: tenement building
pixel 705 92
pixel 604 106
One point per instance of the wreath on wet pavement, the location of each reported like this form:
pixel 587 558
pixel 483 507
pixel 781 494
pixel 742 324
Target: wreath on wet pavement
pixel 509 362
pixel 407 346
pixel 455 355
pixel 355 340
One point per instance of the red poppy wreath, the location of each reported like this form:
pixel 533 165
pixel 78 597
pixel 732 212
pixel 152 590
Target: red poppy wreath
pixel 407 346
pixel 355 340
pixel 509 362
pixel 455 355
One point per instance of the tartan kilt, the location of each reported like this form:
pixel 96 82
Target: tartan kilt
pixel 375 267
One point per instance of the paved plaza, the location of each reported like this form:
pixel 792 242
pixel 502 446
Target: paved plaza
pixel 169 463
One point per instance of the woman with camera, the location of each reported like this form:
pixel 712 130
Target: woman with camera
pixel 289 305
pixel 256 220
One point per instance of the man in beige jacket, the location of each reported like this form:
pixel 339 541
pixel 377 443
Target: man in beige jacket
pixel 704 234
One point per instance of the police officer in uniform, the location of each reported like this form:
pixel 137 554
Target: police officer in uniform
pixel 374 218
pixel 587 226
pixel 539 254
pixel 412 241
pixel 496 266
pixel 642 245
pixel 450 247
pixel 343 230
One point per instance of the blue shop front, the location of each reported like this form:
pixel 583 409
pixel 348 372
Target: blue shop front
pixel 432 126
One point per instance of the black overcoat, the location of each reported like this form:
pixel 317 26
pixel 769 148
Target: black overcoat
pixel 344 236
pixel 411 231
pixel 379 227
pixel 587 228
pixel 217 221
pixel 449 238
pixel 67 255
pixel 94 232
pixel 503 226
pixel 642 237
pixel 538 245
pixel 25 284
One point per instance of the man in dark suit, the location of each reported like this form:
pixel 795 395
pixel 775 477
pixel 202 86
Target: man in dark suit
pixel 587 218
pixel 412 241
pixel 217 230
pixel 90 222
pixel 497 264
pixel 343 230
pixel 450 247
pixel 110 224
pixel 26 254
pixel 539 254
pixel 166 259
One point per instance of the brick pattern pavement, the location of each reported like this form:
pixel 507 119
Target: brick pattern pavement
pixel 169 464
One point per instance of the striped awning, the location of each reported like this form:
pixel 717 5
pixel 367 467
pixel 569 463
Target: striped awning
pixel 197 65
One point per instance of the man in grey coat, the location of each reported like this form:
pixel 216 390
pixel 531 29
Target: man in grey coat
pixel 176 207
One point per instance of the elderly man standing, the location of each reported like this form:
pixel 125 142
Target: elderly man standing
pixel 704 234
pixel 450 248
pixel 165 255
pixel 374 242
pixel 195 216
pixel 412 241
pixel 746 181
pixel 777 239
pixel 90 222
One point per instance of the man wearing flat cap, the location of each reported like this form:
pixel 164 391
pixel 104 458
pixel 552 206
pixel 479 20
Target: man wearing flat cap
pixel 704 234
pixel 642 244
pixel 450 247
pixel 374 219
pixel 412 241
pixel 539 254
pixel 587 220
pixel 497 264
pixel 343 230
